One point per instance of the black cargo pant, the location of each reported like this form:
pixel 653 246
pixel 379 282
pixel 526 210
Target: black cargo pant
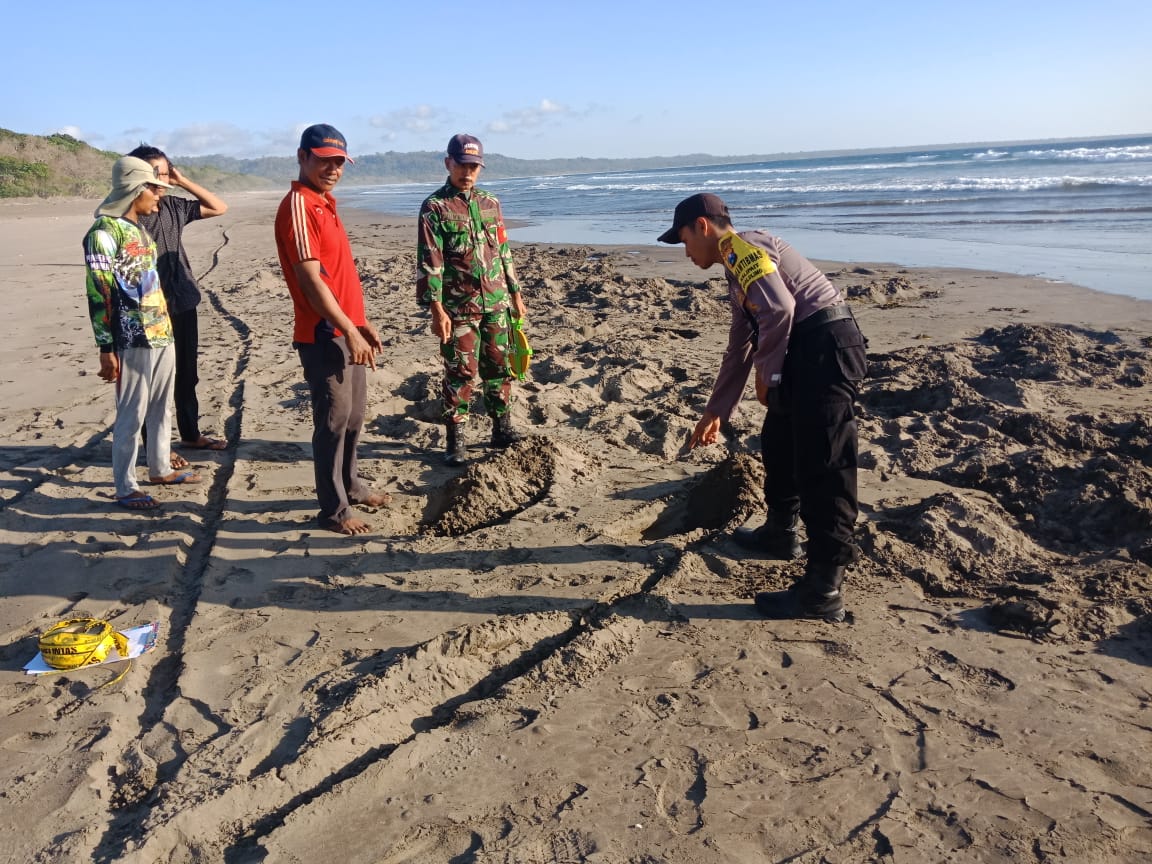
pixel 186 335
pixel 339 400
pixel 809 442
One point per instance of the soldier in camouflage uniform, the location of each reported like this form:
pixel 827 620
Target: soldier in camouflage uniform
pixel 464 275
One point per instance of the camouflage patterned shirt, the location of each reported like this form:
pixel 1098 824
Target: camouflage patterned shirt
pixel 462 254
pixel 125 302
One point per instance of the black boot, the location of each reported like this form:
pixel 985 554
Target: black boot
pixel 778 537
pixel 454 452
pixel 503 435
pixel 817 595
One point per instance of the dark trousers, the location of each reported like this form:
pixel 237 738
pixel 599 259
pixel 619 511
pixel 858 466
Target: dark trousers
pixel 809 444
pixel 186 338
pixel 339 399
pixel 186 335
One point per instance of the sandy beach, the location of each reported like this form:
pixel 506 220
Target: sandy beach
pixel 551 656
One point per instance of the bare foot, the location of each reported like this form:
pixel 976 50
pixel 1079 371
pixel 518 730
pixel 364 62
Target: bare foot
pixel 176 478
pixel 375 499
pixel 205 442
pixel 179 462
pixel 349 526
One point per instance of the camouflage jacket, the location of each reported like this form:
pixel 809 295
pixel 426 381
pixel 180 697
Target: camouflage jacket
pixel 125 302
pixel 462 254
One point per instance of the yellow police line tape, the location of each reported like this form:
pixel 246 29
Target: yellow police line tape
pixel 78 642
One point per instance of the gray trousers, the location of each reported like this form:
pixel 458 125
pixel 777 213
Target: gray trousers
pixel 339 399
pixel 143 397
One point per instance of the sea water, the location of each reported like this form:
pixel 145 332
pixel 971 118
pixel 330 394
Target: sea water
pixel 1070 211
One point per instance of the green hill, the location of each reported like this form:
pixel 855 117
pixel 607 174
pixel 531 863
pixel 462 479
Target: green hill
pixel 38 166
pixel 31 165
pixel 45 166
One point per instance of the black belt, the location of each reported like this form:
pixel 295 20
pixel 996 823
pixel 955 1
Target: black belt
pixel 823 316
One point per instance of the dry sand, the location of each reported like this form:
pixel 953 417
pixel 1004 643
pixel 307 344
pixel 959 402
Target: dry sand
pixel 551 656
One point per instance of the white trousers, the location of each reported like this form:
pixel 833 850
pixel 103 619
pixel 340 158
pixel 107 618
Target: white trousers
pixel 143 398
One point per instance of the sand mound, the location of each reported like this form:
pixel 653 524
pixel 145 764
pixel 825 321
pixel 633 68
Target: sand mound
pixel 881 289
pixel 494 490
pixel 1057 488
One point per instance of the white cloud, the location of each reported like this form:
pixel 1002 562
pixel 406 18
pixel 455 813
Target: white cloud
pixel 532 117
pixel 417 119
pixel 93 139
pixel 204 139
pixel 279 142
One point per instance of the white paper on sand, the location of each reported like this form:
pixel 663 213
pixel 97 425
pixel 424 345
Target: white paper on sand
pixel 140 640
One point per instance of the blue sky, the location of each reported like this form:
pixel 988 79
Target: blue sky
pixel 599 79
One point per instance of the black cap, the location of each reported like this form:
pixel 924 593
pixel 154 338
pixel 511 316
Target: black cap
pixel 691 208
pixel 466 150
pixel 324 140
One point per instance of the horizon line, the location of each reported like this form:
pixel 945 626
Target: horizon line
pixel 758 156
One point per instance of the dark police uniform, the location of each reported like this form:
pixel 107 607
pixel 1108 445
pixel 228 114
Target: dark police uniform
pixel 790 323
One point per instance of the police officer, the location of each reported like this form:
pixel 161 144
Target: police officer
pixel 790 324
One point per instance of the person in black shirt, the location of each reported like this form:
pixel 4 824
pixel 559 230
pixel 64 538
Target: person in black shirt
pixel 180 289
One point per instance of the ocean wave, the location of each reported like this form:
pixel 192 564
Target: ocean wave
pixel 768 170
pixel 1096 193
pixel 720 185
pixel 393 189
pixel 957 205
pixel 1132 153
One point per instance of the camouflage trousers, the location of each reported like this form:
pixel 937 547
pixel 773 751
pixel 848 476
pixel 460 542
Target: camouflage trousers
pixel 479 345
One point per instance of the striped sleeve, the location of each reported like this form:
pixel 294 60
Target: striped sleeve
pixel 305 228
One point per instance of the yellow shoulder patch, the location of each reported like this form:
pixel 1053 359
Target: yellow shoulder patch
pixel 745 261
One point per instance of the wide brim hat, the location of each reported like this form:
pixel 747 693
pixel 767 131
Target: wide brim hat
pixel 129 176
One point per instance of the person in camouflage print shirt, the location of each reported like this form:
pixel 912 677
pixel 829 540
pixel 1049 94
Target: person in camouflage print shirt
pixel 133 332
pixel 465 276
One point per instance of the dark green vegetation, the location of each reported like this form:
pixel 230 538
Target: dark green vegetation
pixel 45 166
pixel 52 165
